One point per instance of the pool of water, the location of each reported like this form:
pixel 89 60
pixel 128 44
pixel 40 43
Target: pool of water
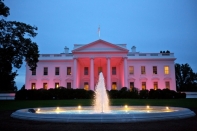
pixel 114 110
pixel 116 114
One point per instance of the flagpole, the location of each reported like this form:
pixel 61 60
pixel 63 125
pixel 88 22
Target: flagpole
pixel 99 31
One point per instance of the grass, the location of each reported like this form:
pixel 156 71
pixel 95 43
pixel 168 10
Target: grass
pixel 19 104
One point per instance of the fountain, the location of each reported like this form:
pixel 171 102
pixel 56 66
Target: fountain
pixel 101 112
pixel 101 102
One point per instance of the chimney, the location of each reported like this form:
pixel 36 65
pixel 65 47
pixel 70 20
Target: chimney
pixel 66 49
pixel 133 49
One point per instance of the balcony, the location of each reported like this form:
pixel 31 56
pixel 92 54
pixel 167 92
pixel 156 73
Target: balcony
pixel 138 55
pixel 56 56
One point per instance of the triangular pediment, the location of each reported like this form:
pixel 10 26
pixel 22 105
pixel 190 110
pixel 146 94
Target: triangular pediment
pixel 100 46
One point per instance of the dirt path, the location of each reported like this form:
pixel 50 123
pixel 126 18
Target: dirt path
pixel 10 124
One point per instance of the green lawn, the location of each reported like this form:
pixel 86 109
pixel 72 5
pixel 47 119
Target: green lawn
pixel 14 105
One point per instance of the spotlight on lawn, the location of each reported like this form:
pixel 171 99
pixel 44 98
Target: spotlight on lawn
pixel 79 107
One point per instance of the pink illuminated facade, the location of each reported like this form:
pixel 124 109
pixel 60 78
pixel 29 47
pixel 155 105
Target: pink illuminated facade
pixel 120 67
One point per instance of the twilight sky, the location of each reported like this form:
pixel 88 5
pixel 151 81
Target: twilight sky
pixel 150 25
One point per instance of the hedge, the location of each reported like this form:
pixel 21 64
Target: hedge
pixel 124 93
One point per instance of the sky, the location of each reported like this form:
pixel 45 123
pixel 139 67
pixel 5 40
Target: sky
pixel 150 25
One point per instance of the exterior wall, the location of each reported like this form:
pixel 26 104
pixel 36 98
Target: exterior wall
pixel 149 77
pixel 115 56
pixel 137 77
pixel 51 78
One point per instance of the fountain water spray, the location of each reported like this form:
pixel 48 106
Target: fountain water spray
pixel 101 104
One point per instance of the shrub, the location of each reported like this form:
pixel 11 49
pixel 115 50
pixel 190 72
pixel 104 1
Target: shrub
pixel 124 93
pixel 143 94
pixel 58 93
pixel 155 94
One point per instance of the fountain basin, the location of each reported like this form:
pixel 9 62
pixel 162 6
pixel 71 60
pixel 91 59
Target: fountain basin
pixel 118 114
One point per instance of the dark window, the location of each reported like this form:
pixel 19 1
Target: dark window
pixel 57 70
pixel 167 85
pixel 143 70
pixel 85 70
pixel 56 85
pixel 113 70
pixel 45 85
pixel 68 70
pixel 45 70
pixel 131 85
pixel 33 86
pixel 68 85
pixel 154 69
pixel 131 69
pixel 33 72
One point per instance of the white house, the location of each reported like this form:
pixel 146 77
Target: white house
pixel 120 67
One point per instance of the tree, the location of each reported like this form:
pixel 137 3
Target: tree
pixel 15 47
pixel 167 51
pixel 186 79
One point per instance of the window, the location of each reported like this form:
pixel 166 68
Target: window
pixel 45 70
pixel 33 86
pixel 131 70
pixel 57 70
pixel 143 71
pixel 155 84
pixel 143 85
pixel 114 86
pixel 166 70
pixel 99 69
pixel 56 85
pixel 68 85
pixel 45 85
pixel 68 70
pixel 154 69
pixel 113 70
pixel 167 83
pixel 85 70
pixel 33 72
pixel 86 86
pixel 131 86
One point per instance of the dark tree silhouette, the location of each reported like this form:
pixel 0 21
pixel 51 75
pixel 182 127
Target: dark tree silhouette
pixel 186 79
pixel 15 46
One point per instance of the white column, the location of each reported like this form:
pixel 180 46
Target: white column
pixel 75 74
pixel 108 74
pixel 91 73
pixel 125 73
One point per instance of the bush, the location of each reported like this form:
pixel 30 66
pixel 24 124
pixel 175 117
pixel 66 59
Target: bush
pixel 59 93
pixel 124 93
pixel 155 94
pixel 143 94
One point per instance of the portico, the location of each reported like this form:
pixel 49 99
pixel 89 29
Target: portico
pixel 100 56
pixel 88 69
